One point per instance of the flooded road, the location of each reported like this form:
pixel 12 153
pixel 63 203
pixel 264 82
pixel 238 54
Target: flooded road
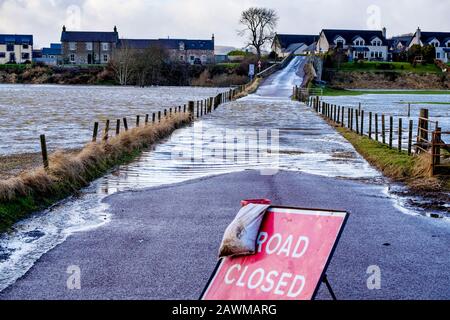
pixel 305 143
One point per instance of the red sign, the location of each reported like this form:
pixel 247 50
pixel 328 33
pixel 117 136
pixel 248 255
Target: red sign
pixel 294 248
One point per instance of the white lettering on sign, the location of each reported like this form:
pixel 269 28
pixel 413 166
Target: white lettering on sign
pixel 282 284
pixel 277 245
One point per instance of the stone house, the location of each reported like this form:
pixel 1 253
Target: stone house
pixel 439 40
pixel 368 45
pixel 179 50
pixel 87 47
pixel 16 48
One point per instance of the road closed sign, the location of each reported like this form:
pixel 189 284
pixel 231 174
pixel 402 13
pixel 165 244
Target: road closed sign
pixel 294 248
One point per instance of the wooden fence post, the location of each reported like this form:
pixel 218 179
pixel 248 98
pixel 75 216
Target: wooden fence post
pixel 357 121
pixel 362 122
pixel 410 136
pixel 159 116
pixel 44 151
pixel 153 117
pixel 342 117
pixel 383 128
pixel 125 124
pixel 400 134
pixel 376 127
pixel 147 116
pixel 138 120
pixel 436 150
pixel 391 131
pixel 191 109
pixel 117 127
pixel 370 125
pixel 106 133
pixel 94 135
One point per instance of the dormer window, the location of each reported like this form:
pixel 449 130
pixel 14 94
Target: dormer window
pixel 435 43
pixel 377 42
pixel 89 46
pixel 359 41
pixel 339 42
pixel 448 44
pixel 181 46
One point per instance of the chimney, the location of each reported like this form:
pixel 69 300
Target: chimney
pixel 213 38
pixel 115 29
pixel 64 28
pixel 384 33
pixel 418 35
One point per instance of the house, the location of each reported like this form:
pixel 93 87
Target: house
pixel 179 50
pixel 87 47
pixel 285 44
pixel 399 44
pixel 51 55
pixel 439 40
pixel 357 44
pixel 15 48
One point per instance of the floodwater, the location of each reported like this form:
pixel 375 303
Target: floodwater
pixel 235 137
pixel 398 105
pixel 66 114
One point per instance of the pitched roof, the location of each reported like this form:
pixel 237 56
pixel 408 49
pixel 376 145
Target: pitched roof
pixel 137 43
pixel 54 50
pixel 442 37
pixel 167 43
pixel 89 36
pixel 188 44
pixel 350 35
pixel 16 39
pixel 286 40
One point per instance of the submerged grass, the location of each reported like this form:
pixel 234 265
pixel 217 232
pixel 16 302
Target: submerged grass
pixel 69 172
pixel 332 92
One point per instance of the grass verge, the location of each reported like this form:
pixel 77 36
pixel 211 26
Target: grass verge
pixel 69 172
pixel 399 166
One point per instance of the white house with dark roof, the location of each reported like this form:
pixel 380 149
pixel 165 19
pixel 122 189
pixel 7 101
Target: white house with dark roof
pixel 285 44
pixel 16 48
pixel 439 40
pixel 369 45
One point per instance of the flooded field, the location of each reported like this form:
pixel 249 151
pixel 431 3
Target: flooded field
pixel 66 114
pixel 397 105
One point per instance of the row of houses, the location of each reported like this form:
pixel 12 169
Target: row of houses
pixel 372 45
pixel 93 47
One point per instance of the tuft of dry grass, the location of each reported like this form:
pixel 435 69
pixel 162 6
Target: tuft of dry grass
pixel 71 171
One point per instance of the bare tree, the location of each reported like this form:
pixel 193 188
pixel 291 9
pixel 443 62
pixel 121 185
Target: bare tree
pixel 122 63
pixel 260 24
pixel 148 64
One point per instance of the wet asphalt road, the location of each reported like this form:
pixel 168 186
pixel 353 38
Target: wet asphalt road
pixel 162 243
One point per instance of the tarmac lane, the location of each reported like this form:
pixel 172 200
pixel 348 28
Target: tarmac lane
pixel 162 243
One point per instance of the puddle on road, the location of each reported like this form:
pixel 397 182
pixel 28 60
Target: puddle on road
pixel 306 144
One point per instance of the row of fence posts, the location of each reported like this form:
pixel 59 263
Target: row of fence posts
pixel 196 110
pixel 354 119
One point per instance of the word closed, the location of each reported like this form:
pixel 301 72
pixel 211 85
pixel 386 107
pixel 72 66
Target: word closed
pixel 294 247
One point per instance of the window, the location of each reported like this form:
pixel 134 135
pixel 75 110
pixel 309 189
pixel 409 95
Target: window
pixel 25 56
pixel 181 58
pixel 192 58
pixel 10 47
pixel 105 58
pixel 438 55
pixel 435 43
pixel 89 46
pixel 2 54
pixel 359 42
pixel 72 46
pixel 105 46
pixel 182 47
pixel 72 58
pixel 372 54
pixel 448 44
pixel 204 59
pixel 25 46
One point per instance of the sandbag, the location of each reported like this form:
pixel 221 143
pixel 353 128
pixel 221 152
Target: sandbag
pixel 240 236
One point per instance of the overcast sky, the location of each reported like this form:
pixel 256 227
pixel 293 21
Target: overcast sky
pixel 200 18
